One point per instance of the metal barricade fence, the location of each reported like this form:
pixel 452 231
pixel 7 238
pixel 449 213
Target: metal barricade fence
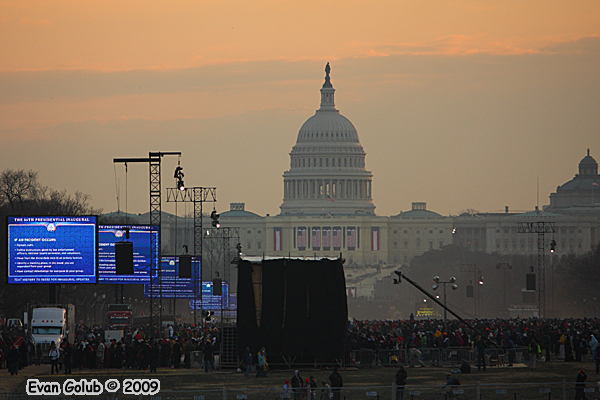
pixel 432 356
pixel 364 358
pixel 456 355
pixel 365 393
pixel 439 392
pixel 390 358
pixel 437 356
pixel 197 359
pixel 546 391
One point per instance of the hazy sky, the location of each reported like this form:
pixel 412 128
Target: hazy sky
pixel 461 104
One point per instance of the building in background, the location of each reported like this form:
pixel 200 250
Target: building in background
pixel 328 211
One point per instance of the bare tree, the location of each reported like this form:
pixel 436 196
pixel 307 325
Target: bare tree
pixel 18 187
pixel 469 211
pixel 22 194
pixel 581 274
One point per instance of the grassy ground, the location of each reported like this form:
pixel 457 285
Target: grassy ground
pixel 198 380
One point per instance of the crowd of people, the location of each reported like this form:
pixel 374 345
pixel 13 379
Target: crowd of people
pixel 566 339
pixel 307 389
pixel 142 348
pixel 138 349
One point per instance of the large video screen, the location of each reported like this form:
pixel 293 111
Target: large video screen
pixel 209 301
pixel 141 236
pixel 52 249
pixel 171 285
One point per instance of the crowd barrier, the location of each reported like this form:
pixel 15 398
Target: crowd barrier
pixel 435 357
pixel 539 391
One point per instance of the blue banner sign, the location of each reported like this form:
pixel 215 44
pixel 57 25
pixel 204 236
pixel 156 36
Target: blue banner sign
pixel 141 236
pixel 52 249
pixel 172 286
pixel 209 301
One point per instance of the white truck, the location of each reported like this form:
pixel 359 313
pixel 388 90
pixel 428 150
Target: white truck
pixel 52 323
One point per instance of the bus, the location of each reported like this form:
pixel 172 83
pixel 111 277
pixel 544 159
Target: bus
pixel 120 316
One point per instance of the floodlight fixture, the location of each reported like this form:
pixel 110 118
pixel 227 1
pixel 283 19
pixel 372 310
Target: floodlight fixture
pixel 399 280
pixel 179 176
pixel 215 219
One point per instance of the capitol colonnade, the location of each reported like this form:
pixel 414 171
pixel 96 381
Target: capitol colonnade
pixel 332 189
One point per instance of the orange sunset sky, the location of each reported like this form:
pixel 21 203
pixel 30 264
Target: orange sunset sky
pixel 461 104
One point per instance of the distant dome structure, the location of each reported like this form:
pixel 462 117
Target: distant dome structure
pixel 581 191
pixel 419 210
pixel 588 166
pixel 327 172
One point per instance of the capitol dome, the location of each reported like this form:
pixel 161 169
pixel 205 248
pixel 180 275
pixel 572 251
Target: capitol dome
pixel 327 172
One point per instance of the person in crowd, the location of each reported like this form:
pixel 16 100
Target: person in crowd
pixel 336 383
pixel 54 355
pixel 189 348
pixel 465 368
pixel 414 356
pixel 262 367
pixel 177 354
pixel 12 360
pixel 534 352
pixel 208 356
pixel 326 393
pixel 297 385
pixel 451 382
pixel 510 349
pixel 286 389
pixel 480 347
pixel 68 358
pixel 313 388
pixel 568 349
pixel 580 385
pixel 100 354
pixel 248 362
pixel 401 376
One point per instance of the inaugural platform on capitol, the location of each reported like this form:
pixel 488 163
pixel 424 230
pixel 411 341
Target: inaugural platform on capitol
pixel 52 249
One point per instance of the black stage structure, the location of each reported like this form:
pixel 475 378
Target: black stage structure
pixel 296 309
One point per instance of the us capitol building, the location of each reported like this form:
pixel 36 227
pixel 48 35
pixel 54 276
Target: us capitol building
pixel 328 209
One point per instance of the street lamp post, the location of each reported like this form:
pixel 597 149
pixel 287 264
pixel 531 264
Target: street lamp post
pixel 435 286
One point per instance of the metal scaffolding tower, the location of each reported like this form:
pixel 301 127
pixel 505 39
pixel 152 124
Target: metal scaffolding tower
pixel 541 228
pixel 154 161
pixel 198 196
pixel 223 249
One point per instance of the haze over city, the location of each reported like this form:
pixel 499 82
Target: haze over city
pixel 460 104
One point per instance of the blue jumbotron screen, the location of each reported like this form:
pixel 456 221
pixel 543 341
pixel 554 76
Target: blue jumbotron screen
pixel 141 236
pixel 52 249
pixel 171 285
pixel 209 301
